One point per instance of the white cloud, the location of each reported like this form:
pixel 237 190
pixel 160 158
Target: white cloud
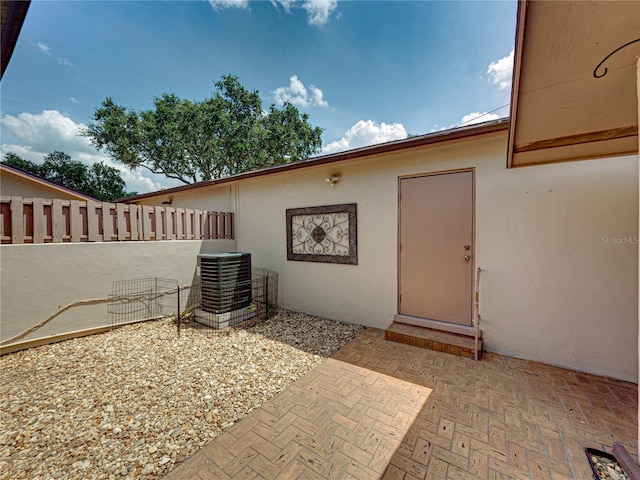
pixel 23 151
pixel 45 48
pixel 477 117
pixel 366 133
pixel 285 4
pixel 319 11
pixel 317 97
pixel 501 71
pixel 46 131
pixel 41 134
pixel 64 61
pixel 222 4
pixel 74 100
pixel 297 94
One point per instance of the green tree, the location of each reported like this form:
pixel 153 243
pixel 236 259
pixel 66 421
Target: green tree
pixel 225 134
pixel 25 165
pixel 98 180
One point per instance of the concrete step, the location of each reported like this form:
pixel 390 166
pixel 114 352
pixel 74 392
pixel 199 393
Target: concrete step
pixel 439 341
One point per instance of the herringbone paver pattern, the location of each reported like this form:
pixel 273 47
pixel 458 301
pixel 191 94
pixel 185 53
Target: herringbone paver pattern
pixel 379 409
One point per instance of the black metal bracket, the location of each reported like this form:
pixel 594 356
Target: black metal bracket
pixel 595 70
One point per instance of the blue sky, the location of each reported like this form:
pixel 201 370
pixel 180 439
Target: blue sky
pixel 365 71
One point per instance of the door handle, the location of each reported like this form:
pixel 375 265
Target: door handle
pixel 467 258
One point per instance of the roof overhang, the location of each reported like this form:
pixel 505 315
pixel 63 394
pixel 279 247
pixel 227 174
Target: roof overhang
pixel 12 15
pixel 436 138
pixel 574 81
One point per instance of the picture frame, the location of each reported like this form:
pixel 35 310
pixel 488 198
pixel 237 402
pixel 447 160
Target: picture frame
pixel 325 234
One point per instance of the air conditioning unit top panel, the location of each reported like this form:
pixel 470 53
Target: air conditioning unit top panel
pixel 229 255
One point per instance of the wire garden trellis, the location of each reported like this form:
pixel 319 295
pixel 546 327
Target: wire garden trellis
pixel 145 299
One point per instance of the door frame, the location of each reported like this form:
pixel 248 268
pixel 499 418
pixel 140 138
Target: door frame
pixel 426 322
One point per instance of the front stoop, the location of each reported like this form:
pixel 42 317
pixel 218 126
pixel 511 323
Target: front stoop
pixel 456 344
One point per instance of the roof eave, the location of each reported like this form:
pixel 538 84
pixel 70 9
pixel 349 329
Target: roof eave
pixel 397 145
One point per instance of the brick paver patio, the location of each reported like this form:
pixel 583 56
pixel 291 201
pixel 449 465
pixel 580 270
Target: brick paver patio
pixel 379 409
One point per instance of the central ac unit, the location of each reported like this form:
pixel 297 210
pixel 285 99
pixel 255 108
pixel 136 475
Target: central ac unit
pixel 225 281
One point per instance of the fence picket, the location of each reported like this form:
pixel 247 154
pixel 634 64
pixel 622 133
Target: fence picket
pixel 17 220
pixel 188 225
pixel 38 220
pixel 170 222
pixel 197 224
pixel 93 230
pixel 58 221
pixel 107 222
pixel 179 223
pixel 146 222
pixel 160 216
pixel 134 222
pixel 121 220
pixel 75 221
pixel 206 225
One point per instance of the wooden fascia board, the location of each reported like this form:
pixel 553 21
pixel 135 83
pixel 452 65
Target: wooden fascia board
pixel 515 82
pixel 611 134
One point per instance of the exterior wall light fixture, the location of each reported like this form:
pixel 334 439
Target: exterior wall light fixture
pixel 332 180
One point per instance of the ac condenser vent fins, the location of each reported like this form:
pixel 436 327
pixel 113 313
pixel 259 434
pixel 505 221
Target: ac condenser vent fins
pixel 225 280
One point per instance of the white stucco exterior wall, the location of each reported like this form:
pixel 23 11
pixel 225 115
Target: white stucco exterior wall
pixel 557 245
pixel 558 248
pixel 37 280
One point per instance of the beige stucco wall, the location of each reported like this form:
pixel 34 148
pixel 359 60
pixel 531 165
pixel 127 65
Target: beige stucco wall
pixel 39 279
pixel 557 245
pixel 11 184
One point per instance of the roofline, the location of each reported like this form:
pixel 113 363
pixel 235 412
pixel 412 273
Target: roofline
pixel 13 15
pixel 396 145
pixel 521 16
pixel 46 183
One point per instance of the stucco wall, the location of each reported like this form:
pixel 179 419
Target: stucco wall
pixel 557 244
pixel 39 279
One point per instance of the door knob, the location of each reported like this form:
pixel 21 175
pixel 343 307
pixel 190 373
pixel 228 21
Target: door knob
pixel 467 247
pixel 467 258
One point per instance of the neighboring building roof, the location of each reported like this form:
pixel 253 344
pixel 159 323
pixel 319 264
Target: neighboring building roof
pixel 54 188
pixel 397 145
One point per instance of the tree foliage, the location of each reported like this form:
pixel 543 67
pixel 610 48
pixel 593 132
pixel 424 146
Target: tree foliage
pixel 225 134
pixel 98 180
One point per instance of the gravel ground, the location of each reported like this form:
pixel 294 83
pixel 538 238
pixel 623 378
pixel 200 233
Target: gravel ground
pixel 136 401
pixel 608 468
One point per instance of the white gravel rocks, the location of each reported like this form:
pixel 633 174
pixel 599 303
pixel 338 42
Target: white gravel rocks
pixel 134 402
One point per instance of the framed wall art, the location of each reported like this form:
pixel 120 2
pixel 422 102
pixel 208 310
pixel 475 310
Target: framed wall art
pixel 324 234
